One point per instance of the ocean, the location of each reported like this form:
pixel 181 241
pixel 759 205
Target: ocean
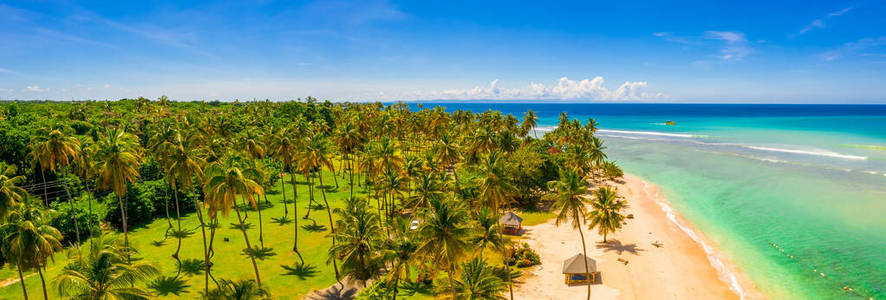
pixel 793 195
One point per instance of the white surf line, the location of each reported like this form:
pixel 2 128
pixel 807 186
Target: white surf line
pixel 807 152
pixel 680 135
pixel 726 275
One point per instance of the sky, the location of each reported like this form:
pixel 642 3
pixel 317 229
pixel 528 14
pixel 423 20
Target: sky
pixel 583 51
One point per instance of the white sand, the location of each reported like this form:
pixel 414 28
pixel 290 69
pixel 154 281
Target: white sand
pixel 680 269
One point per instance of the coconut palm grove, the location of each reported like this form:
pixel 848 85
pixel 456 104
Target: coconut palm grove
pixel 145 199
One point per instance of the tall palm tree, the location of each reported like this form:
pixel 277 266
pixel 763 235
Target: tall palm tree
pixel 445 233
pixel 478 281
pixel 487 236
pixel 569 202
pixel 30 241
pixel 102 272
pixel 358 238
pixel 447 151
pixel 118 158
pixel 224 182
pixel 606 214
pixel 57 151
pixel 316 155
pixel 427 187
pixel 10 191
pixel 495 193
pixel 529 123
pixel 400 251
pixel 184 164
pixel 285 150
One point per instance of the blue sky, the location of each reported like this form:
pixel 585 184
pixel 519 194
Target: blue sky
pixel 661 51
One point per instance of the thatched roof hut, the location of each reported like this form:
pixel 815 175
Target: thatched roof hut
pixel 511 223
pixel 574 269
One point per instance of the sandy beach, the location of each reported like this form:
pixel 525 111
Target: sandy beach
pixel 679 269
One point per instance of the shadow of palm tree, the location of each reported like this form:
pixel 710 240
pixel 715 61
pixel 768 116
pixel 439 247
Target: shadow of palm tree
pixel 335 292
pixel 301 271
pixel 617 246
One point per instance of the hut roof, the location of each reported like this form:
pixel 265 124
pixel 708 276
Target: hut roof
pixel 576 265
pixel 510 218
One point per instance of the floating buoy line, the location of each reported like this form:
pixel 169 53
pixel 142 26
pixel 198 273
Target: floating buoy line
pixel 845 288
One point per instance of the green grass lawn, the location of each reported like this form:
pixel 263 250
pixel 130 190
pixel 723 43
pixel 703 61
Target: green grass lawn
pixel 229 261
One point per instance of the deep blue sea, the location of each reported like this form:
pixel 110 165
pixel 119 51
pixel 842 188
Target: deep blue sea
pixel 808 178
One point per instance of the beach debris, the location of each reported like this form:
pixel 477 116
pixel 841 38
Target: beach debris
pixel 623 261
pixel 630 216
pixel 658 244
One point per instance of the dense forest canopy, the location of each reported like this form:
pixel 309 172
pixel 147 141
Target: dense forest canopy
pixel 80 170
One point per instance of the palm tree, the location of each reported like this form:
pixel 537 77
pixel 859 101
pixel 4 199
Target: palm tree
pixel 529 123
pixel 237 290
pixel 10 193
pixel 427 187
pixel 57 151
pixel 487 236
pixel 445 233
pixel 570 203
pixel 183 165
pixel 118 160
pixel 358 237
pixel 315 155
pixel 400 251
pixel 103 272
pixel 495 192
pixel 286 150
pixel 224 182
pixel 29 240
pixel 447 151
pixel 606 214
pixel 479 281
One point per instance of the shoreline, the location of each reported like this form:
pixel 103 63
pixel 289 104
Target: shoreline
pixel 685 266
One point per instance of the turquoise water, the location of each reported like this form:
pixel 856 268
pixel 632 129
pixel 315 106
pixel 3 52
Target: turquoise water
pixel 810 179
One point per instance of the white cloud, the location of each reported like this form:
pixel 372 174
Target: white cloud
pixel 864 44
pixel 564 88
pixel 736 46
pixel 820 23
pixel 7 71
pixel 840 12
pixel 107 86
pixel 35 88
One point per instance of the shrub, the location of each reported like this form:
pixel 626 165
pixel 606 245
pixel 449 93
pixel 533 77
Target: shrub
pixel 63 222
pixel 523 256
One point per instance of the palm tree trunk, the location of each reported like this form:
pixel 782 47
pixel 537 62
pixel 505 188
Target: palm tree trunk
pixel 283 187
pixel 89 218
pixel 452 283
pixel 351 174
pixel 43 281
pixel 166 205
pixel 331 225
pixel 178 219
pixel 45 194
pixel 248 246
pixel 205 248
pixel 584 249
pixel 22 280
pixel 261 234
pixel 71 202
pixel 310 181
pixel 504 255
pixel 125 228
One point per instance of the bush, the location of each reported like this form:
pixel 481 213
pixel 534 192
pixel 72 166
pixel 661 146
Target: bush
pixel 63 222
pixel 523 256
pixel 378 290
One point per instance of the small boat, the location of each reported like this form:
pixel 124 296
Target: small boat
pixel 669 122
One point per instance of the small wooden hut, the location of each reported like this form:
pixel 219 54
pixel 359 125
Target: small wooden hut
pixel 575 272
pixel 511 223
